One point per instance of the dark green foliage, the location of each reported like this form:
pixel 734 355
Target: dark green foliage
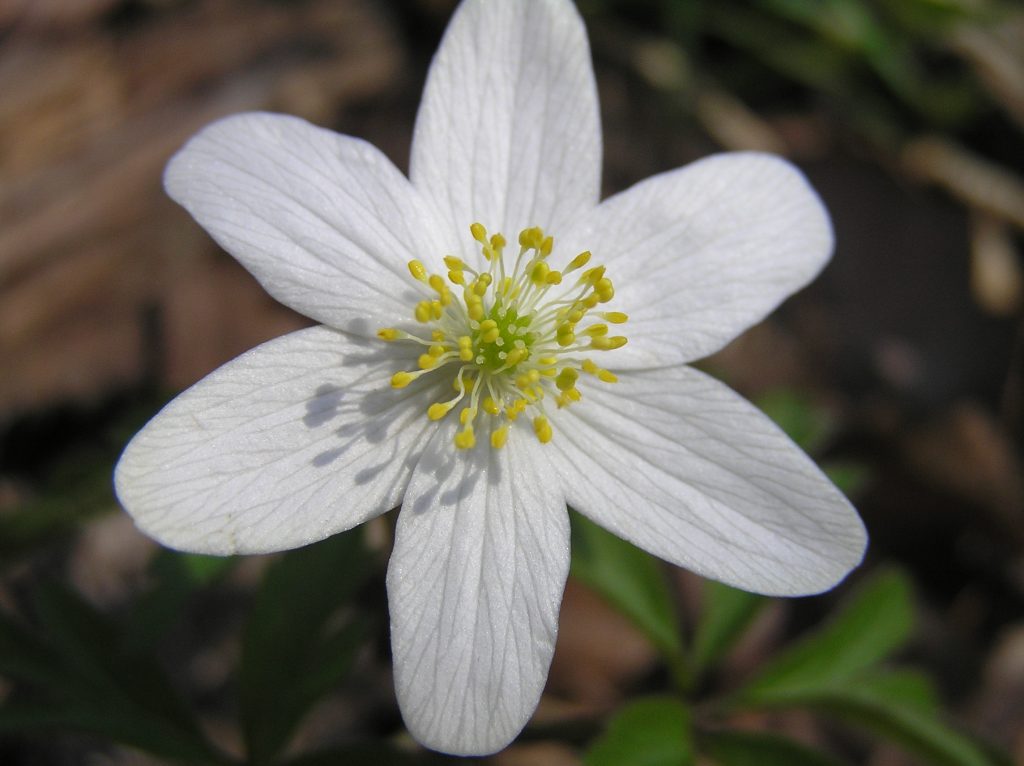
pixel 646 732
pixel 298 642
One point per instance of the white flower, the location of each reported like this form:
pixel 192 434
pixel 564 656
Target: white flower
pixel 320 430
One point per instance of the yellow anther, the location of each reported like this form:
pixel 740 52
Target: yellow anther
pixel 489 331
pixel 457 277
pixel 595 330
pixel 565 339
pixel 549 372
pixel 589 366
pixel 547 360
pixel 575 315
pixel 594 275
pixel 525 381
pixel 426 361
pixel 539 273
pixel 607 377
pixel 531 237
pixel 436 309
pixel 402 379
pixel 489 252
pixel 608 344
pixel 475 309
pixel 542 428
pixel 465 439
pixel 554 278
pixel 423 311
pixel 438 410
pixel 491 407
pixel 467 415
pixel 418 270
pixel 513 410
pixel 498 242
pixel 466 354
pixel 387 333
pixel 499 436
pixel 466 386
pixel 479 233
pixel 604 289
pixel 545 246
pixel 436 350
pixel 615 317
pixel 515 356
pixel 578 262
pixel 437 336
pixel 453 263
pixel 437 282
pixel 591 300
pixel 568 396
pixel 566 379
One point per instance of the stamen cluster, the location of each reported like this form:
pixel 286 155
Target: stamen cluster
pixel 512 338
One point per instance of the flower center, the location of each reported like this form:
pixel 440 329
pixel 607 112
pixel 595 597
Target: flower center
pixel 513 337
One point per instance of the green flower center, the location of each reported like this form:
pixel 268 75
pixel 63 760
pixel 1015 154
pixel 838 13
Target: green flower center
pixel 516 338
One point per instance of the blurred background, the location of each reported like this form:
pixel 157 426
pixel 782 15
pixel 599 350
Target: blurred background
pixel 901 368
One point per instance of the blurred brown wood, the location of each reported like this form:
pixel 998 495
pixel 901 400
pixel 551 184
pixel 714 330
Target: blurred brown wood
pixel 89 244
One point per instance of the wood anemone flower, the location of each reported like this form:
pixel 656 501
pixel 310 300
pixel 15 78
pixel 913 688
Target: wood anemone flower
pixel 472 365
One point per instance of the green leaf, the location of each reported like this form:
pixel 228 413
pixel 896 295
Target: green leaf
pixel 97 664
pixel 871 627
pixel 94 685
pixel 176 577
pixel 806 424
pixel 289 657
pixel 904 686
pixel 329 662
pixel 631 580
pixel 647 732
pixel 849 476
pixel 726 614
pixel 736 748
pixel 891 705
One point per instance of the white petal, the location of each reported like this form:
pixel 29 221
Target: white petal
pixel 508 132
pixel 701 253
pixel 678 464
pixel 293 441
pixel 325 222
pixel 474 586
